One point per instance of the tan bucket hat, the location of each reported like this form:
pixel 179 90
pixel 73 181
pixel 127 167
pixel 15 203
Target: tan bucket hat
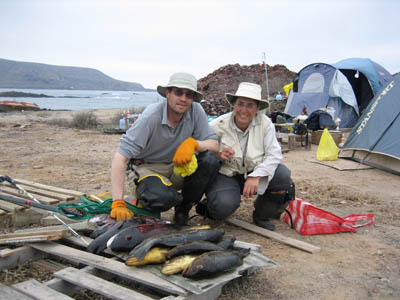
pixel 184 81
pixel 247 90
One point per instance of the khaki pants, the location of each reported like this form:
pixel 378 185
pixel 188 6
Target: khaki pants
pixel 166 171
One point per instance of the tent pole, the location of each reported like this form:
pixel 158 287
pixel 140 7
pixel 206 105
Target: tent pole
pixel 266 82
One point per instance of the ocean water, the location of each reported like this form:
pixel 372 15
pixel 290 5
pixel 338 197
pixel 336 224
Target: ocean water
pixel 85 99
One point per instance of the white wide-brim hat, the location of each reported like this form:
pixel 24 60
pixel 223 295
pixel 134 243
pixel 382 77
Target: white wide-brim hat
pixel 184 81
pixel 247 90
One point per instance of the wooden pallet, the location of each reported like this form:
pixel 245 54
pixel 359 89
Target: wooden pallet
pixel 102 275
pixel 17 215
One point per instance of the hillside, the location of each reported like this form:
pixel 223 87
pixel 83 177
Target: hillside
pixel 227 78
pixel 28 75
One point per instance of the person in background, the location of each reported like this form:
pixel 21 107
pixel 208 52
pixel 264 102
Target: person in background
pixel 251 162
pixel 168 135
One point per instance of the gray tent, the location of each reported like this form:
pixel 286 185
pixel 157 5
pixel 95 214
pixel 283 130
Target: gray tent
pixel 375 140
pixel 348 86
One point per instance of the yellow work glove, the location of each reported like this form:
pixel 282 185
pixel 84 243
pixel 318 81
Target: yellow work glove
pixel 187 169
pixel 119 211
pixel 185 151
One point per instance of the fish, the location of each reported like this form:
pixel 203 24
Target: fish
pixel 127 239
pixel 193 247
pixel 155 256
pixel 135 220
pixel 172 239
pixel 177 264
pixel 227 242
pixel 100 242
pixel 213 263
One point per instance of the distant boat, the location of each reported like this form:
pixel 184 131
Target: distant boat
pixel 16 105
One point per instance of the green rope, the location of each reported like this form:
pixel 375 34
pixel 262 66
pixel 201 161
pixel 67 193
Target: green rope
pixel 88 208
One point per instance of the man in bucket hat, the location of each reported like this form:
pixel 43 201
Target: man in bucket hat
pixel 168 136
pixel 251 161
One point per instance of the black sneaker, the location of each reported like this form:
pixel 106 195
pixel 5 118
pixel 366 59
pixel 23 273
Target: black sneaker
pixel 181 216
pixel 266 224
pixel 201 208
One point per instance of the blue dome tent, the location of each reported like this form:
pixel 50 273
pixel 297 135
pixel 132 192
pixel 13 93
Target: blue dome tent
pixel 348 86
pixel 374 140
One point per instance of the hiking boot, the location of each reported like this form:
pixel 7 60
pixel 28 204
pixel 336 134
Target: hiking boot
pixel 201 208
pixel 263 223
pixel 181 215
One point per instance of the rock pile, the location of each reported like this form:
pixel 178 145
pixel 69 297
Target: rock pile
pixel 227 78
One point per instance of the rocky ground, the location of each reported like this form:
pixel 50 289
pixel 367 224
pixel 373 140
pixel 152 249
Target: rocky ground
pixel 351 266
pixel 227 78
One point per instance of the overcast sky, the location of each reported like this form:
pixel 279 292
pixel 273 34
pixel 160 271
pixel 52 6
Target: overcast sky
pixel 146 41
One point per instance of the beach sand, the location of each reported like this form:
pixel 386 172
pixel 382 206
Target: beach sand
pixel 351 266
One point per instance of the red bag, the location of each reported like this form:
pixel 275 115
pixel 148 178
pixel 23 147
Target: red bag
pixel 308 219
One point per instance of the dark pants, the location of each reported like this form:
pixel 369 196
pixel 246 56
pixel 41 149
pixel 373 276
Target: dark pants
pixel 155 195
pixel 223 196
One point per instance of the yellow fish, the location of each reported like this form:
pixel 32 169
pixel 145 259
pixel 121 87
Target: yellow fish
pixel 177 264
pixel 156 255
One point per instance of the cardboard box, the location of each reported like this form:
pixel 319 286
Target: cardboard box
pixel 316 136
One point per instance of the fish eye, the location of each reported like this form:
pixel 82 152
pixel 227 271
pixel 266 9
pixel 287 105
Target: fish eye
pixel 128 237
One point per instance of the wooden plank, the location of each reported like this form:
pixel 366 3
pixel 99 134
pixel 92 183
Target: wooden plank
pixel 15 192
pixel 7 292
pixel 49 265
pixel 49 188
pixel 275 236
pixel 109 265
pixel 99 285
pixel 39 291
pixel 38 231
pixel 83 225
pixel 70 289
pixel 10 258
pixel 26 237
pixel 28 216
pixel 50 194
pixel 11 207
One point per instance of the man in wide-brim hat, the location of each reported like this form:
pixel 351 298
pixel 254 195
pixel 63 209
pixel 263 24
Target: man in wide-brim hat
pixel 170 139
pixel 251 161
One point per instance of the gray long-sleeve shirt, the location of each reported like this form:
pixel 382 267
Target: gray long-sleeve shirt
pixel 151 139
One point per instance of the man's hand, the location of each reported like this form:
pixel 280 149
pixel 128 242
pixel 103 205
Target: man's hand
pixel 250 187
pixel 226 154
pixel 119 211
pixel 185 151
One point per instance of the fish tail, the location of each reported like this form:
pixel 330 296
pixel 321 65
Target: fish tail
pixel 140 252
pixel 243 252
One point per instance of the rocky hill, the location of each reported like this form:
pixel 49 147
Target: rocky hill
pixel 227 78
pixel 28 75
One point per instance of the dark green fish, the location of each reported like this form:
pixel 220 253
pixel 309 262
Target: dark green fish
pixel 215 262
pixel 193 247
pixel 105 233
pixel 172 239
pixel 227 242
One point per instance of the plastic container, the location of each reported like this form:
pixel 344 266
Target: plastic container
pixel 122 123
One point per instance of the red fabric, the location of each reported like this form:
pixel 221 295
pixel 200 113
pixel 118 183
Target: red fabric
pixel 309 220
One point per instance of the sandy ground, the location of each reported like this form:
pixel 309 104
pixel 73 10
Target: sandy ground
pixel 362 265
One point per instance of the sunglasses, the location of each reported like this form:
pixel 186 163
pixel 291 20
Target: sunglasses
pixel 249 105
pixel 180 92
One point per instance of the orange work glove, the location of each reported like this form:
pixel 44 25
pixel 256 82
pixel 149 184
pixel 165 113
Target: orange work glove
pixel 119 211
pixel 185 151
